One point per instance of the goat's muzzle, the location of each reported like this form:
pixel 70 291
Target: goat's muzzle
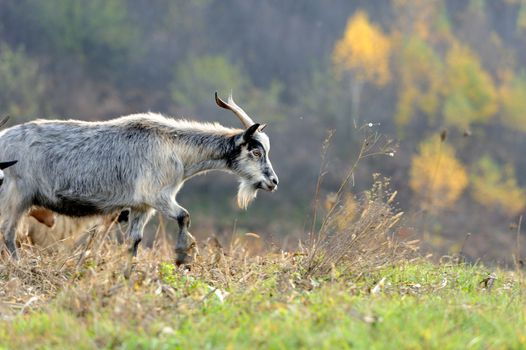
pixel 270 184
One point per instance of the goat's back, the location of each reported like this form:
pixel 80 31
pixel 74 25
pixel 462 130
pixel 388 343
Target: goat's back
pixel 90 167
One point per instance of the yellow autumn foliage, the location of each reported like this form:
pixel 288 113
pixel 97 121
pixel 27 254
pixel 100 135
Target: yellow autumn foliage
pixel 420 73
pixel 363 50
pixel 513 101
pixel 496 187
pixel 437 177
pixel 521 18
pixel 471 96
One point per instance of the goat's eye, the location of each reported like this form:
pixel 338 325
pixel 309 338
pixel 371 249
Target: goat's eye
pixel 256 153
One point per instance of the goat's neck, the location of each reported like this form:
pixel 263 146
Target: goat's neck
pixel 206 152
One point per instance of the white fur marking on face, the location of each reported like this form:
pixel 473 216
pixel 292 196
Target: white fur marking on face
pixel 1 175
pixel 263 138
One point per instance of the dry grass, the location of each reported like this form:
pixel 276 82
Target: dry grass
pixel 353 285
pixel 361 244
pixel 356 238
pixel 101 271
pixel 100 274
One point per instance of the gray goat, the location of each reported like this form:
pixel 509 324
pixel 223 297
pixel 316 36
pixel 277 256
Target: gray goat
pixel 140 161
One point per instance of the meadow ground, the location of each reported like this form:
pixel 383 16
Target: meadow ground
pixel 352 285
pixel 234 300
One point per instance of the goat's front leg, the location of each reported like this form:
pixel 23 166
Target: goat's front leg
pixel 139 219
pixel 186 247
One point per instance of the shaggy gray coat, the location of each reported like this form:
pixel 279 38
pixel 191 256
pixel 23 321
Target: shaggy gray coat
pixel 139 161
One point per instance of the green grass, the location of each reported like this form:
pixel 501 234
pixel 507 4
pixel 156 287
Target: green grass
pixel 417 306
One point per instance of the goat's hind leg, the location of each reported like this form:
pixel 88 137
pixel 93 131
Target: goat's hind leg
pixel 12 212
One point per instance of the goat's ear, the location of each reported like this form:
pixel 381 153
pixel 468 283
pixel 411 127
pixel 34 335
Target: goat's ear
pixel 247 135
pixel 262 126
pixel 4 165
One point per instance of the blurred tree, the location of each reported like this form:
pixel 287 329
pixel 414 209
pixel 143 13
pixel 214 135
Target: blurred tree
pixel 321 96
pixel 21 85
pixel 97 33
pixel 197 78
pixel 521 18
pixel 427 20
pixel 362 55
pixel 420 80
pixel 513 100
pixel 494 186
pixel 266 103
pixel 284 39
pixel 363 50
pixel 471 96
pixel 437 177
pixel 476 31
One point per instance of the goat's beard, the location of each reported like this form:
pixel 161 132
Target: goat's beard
pixel 246 193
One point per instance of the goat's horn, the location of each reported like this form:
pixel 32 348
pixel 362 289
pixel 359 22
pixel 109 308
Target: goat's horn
pixel 3 121
pixel 240 113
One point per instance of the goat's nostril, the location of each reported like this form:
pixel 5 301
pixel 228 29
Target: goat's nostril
pixel 275 180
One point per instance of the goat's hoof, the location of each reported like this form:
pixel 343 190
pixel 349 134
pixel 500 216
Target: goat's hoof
pixel 12 251
pixel 186 255
pixel 129 269
pixel 182 259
